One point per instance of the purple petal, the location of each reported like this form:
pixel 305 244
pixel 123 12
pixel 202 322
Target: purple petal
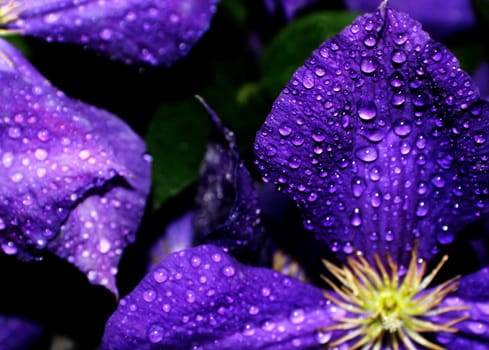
pixel 481 77
pixel 202 298
pixel 289 7
pixel 381 139
pixel 178 236
pixel 474 332
pixel 228 208
pixel 153 31
pixel 18 333
pixel 74 179
pixel 442 18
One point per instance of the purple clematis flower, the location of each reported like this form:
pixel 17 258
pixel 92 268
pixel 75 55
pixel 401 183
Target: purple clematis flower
pixel 157 32
pixel 381 140
pixel 74 178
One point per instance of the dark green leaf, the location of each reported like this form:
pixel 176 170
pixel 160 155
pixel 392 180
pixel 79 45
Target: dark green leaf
pixel 290 47
pixel 177 139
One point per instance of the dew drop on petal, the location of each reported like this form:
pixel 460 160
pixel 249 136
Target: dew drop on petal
pixel 155 333
pixel 297 316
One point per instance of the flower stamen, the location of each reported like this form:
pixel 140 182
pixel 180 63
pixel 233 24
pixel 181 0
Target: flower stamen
pixel 386 308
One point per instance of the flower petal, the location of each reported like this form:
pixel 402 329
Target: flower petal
pixel 201 298
pixel 440 17
pixel 74 178
pixel 228 212
pixel 153 31
pixel 381 139
pixel 289 7
pixel 474 332
pixel 18 333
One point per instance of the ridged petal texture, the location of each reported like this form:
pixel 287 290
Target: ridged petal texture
pixel 381 139
pixel 474 332
pixel 440 17
pixel 228 207
pixel 74 178
pixel 153 31
pixel 202 298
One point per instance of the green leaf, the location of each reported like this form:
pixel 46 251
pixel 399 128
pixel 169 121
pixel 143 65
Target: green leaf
pixel 293 45
pixel 19 42
pixel 482 7
pixel 177 139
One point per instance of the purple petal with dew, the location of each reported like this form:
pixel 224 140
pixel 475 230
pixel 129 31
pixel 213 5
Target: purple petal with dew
pixel 18 333
pixel 153 31
pixel 75 178
pixel 381 139
pixel 202 298
pixel 473 333
pixel 228 207
pixel 442 18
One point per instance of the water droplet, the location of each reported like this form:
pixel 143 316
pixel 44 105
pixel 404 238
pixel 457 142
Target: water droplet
pixel 402 127
pixel 271 151
pixel 367 154
pixel 479 139
pixel 318 135
pixel 398 57
pixel 376 200
pixel 438 181
pixel 84 154
pixel 195 261
pixel 398 99
pixel 284 130
pixel 297 316
pixel 9 248
pixel 294 162
pixel 358 186
pixel 421 209
pixel 436 55
pixel 367 110
pixel 375 174
pixel 160 275
pixel 14 132
pixel 308 79
pixel 104 245
pixel 228 271
pixel 370 41
pixel 190 296
pixel 368 65
pixel 328 221
pixel 149 295
pixel 356 218
pixel 155 333
pixel 253 310
pixel 106 34
pixel 297 140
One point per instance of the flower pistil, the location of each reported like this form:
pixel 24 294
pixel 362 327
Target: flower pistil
pixel 388 309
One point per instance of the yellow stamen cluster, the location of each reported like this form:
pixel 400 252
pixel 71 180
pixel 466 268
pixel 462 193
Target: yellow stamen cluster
pixel 9 12
pixel 388 312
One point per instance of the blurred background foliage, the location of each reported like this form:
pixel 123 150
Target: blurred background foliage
pixel 239 68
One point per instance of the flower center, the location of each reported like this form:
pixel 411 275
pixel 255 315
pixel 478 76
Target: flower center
pixel 9 11
pixel 387 309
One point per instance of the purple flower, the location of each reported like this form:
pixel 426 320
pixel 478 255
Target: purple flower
pixel 157 32
pixel 74 178
pixel 380 138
